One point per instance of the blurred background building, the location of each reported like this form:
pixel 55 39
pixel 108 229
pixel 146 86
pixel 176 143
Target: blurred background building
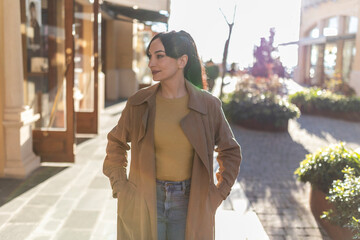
pixel 60 60
pixel 329 42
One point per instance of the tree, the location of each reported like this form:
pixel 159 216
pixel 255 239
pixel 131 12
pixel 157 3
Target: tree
pixel 265 63
pixel 226 48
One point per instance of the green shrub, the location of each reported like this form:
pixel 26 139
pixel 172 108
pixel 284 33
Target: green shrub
pixel 264 107
pixel 312 99
pixel 345 197
pixel 338 86
pixel 212 71
pixel 320 169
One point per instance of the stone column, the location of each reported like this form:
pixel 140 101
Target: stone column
pixel 300 72
pixel 319 68
pixel 340 48
pixel 19 157
pixel 121 80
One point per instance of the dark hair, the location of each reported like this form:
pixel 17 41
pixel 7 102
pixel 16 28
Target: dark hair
pixel 180 43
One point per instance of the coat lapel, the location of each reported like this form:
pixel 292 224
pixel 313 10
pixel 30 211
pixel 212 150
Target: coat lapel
pixel 193 128
pixel 192 124
pixel 144 98
pixel 143 126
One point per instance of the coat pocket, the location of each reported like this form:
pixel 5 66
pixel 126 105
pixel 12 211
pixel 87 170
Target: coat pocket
pixel 133 214
pixel 128 203
pixel 214 197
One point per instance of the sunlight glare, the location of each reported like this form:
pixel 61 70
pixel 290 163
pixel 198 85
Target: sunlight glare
pixel 204 21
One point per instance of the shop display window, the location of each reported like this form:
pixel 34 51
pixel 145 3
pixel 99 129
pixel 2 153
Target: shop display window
pixel 44 61
pixel 351 25
pixel 83 32
pixel 330 55
pixel 314 55
pixel 349 52
pixel 331 26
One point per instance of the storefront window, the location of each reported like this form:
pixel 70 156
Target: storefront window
pixel 84 56
pixel 44 61
pixel 313 60
pixel 314 33
pixel 331 27
pixel 324 57
pixel 351 25
pixel 144 35
pixel 348 58
pixel 99 42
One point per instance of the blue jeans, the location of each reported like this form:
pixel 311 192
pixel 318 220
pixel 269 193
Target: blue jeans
pixel 172 205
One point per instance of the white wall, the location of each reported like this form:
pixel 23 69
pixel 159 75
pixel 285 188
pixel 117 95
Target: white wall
pixel 120 78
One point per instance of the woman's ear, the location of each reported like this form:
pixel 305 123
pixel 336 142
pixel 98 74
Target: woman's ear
pixel 182 61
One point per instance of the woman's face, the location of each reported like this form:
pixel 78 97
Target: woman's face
pixel 162 66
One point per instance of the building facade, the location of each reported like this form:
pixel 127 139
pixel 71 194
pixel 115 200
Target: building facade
pixel 59 61
pixel 329 45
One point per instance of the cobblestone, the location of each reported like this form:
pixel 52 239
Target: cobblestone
pixel 267 172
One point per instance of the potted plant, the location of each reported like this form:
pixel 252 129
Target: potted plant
pixel 344 195
pixel 212 72
pixel 323 102
pixel 338 86
pixel 320 169
pixel 261 111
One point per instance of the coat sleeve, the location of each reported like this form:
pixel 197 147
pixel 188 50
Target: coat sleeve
pixel 116 161
pixel 229 153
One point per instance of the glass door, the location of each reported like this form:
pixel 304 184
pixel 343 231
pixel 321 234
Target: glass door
pixel 48 71
pixel 314 56
pixel 316 71
pixel 86 66
pixel 349 52
pixel 330 54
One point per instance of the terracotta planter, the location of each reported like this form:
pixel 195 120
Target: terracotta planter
pixel 318 205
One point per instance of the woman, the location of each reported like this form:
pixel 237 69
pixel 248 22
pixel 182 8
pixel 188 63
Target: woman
pixel 173 128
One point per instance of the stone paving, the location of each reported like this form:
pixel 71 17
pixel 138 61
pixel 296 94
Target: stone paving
pixel 266 175
pixel 74 201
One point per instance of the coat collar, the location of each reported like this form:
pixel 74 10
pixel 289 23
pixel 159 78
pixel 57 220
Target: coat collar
pixel 196 100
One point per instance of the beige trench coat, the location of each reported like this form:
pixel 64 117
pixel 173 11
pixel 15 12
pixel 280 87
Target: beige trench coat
pixel 207 130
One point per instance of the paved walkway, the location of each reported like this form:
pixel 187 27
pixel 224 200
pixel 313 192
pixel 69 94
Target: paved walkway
pixel 73 201
pixel 266 175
